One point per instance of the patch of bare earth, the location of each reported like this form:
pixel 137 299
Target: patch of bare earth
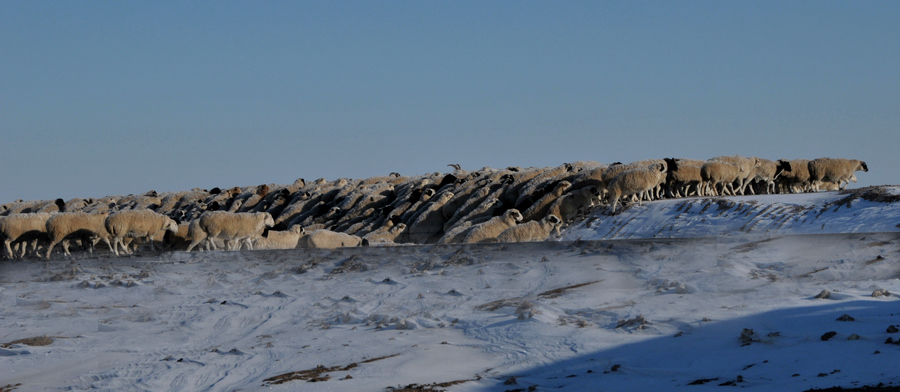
pixel 35 341
pixel 427 387
pixel 318 373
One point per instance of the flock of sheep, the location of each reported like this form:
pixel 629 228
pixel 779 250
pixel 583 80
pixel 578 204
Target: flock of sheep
pixel 487 205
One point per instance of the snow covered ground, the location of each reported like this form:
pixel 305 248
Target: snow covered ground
pixel 681 295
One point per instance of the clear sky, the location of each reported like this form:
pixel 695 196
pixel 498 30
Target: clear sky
pixel 119 97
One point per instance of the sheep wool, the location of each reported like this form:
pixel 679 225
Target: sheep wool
pixel 491 229
pixel 634 182
pixel 232 227
pixel 137 224
pixel 18 228
pixel 327 239
pixel 89 228
pixel 837 170
pixel 531 231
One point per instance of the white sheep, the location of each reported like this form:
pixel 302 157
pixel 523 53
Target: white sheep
pixel 388 235
pixel 232 227
pixel 19 228
pixel 89 228
pixel 634 182
pixel 766 174
pixel 685 181
pixel 715 173
pixel 747 170
pixel 836 170
pixel 327 239
pixel 569 205
pixel 492 228
pixel 137 224
pixel 531 231
pixel 287 239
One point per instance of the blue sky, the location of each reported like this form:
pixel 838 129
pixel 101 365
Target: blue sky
pixel 113 98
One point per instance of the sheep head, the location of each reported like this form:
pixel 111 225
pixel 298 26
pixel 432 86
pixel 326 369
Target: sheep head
pixel 269 221
pixel 171 225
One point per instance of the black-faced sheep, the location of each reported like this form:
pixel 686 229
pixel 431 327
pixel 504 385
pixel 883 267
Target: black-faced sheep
pixel 231 227
pixel 796 179
pixel 89 228
pixel 837 170
pixel 138 224
pixel 531 231
pixel 491 229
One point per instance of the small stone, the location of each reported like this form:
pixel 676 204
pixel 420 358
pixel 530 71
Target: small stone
pixel 881 293
pixel 510 381
pixel 748 336
pixel 706 319
pixel 828 335
pixel 822 375
pixel 853 337
pixel 615 367
pixel 889 341
pixel 845 317
pixel 892 329
pixel 825 294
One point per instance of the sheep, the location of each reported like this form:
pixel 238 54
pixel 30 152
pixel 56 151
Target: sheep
pixel 527 194
pixel 288 239
pixel 327 239
pixel 837 170
pixel 634 181
pixel 232 227
pixel 714 173
pixel 90 228
pixel 531 231
pixel 796 179
pixel 139 224
pixel 681 181
pixel 567 206
pixel 539 209
pixel 430 222
pixel 18 228
pixel 766 174
pixel 492 228
pixel 746 165
pixel 388 235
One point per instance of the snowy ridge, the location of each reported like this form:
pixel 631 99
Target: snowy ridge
pixel 768 215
